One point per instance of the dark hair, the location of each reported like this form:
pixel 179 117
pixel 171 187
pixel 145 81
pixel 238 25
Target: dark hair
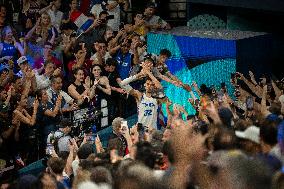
pixel 224 139
pixel 75 71
pixel 53 78
pixel 268 131
pixel 38 93
pixel 103 12
pixel 68 26
pixel 84 151
pixel 101 41
pixel 145 154
pixel 77 48
pixel 168 151
pixel 48 62
pixel 56 164
pixel 166 52
pixel 111 62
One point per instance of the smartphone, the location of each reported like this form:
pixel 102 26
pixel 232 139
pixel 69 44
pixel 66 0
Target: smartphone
pixel 91 137
pixel 49 148
pixel 220 96
pixel 249 103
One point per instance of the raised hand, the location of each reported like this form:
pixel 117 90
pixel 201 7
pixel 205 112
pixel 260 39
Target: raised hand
pixel 36 103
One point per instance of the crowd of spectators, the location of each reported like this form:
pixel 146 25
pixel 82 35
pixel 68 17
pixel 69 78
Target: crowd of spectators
pixel 60 85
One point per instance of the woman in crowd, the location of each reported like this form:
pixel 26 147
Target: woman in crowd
pixel 79 90
pixel 48 31
pixel 48 116
pixel 10 48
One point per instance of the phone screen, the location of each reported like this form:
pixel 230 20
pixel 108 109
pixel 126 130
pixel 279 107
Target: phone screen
pixel 249 103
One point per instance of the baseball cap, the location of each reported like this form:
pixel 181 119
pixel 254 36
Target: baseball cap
pixel 251 133
pixel 21 60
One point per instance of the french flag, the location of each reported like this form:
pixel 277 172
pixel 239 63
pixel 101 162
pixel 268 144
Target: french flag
pixel 81 20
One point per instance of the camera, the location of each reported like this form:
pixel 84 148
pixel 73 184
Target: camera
pixel 109 17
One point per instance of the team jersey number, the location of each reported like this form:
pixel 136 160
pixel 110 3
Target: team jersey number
pixel 147 112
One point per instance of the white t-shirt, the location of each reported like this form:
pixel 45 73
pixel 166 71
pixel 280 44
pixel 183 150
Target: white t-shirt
pixel 95 57
pixel 113 23
pixel 55 18
pixel 148 111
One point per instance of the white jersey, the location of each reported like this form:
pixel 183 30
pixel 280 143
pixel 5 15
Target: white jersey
pixel 148 111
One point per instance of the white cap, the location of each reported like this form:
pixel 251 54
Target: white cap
pixel 251 133
pixel 21 60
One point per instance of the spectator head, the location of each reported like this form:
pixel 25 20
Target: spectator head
pixel 101 47
pixel 7 34
pixel 167 134
pixel 110 65
pixel 234 169
pixel 56 4
pixel 47 48
pixel 45 19
pixel 65 125
pixel 268 133
pixel 103 17
pixel 79 74
pixel 78 51
pixel 108 34
pixel 26 181
pixel 84 151
pixel 67 28
pixel 49 68
pixel 145 154
pixel 149 61
pixel 73 5
pixel 251 133
pixel 137 176
pixel 125 47
pixel 249 140
pixel 55 166
pixel 96 71
pixel 275 108
pixel 138 16
pixel 116 125
pixel 22 101
pixel 56 83
pixel 42 95
pixel 164 55
pixel 150 9
pixel 3 10
pixel 226 116
pixel 224 139
pixel 101 175
pixel 23 63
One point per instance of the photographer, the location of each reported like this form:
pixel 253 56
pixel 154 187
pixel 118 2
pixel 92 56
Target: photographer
pixel 112 7
pixel 97 30
pixel 60 138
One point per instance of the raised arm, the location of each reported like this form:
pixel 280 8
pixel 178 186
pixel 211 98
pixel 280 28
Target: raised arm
pixel 255 88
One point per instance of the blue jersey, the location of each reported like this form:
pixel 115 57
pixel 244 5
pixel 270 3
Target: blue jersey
pixel 124 64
